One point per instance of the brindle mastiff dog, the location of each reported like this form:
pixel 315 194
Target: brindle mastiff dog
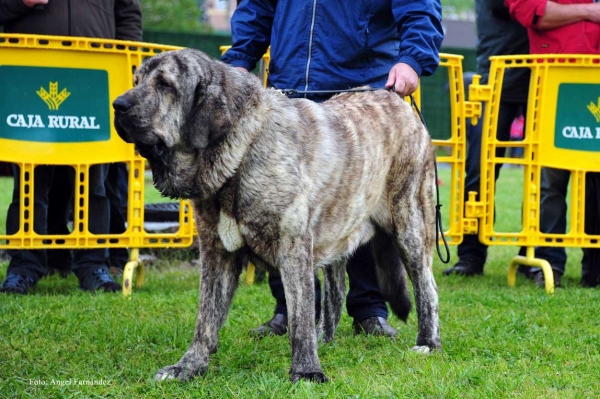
pixel 290 183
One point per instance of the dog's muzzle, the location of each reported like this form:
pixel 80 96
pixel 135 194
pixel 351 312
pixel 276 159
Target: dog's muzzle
pixel 122 104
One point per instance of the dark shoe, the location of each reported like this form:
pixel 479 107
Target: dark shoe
pixel 540 281
pixel 276 326
pixel 99 279
pixel 466 267
pixel 4 255
pixel 17 284
pixel 116 271
pixel 374 326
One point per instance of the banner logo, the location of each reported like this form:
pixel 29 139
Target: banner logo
pixel 595 110
pixel 54 98
pixel 578 117
pixel 54 105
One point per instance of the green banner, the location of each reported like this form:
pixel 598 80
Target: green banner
pixel 578 117
pixel 56 105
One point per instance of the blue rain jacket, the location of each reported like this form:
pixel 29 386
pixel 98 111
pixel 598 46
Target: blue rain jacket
pixel 336 44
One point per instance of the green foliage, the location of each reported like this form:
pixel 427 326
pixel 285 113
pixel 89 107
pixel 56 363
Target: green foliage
pixel 459 5
pixel 174 16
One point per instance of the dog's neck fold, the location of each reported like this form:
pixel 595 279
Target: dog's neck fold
pixel 220 162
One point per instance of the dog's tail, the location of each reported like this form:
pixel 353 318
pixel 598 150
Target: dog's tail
pixel 391 274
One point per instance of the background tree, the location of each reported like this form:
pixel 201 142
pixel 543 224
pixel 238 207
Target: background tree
pixel 174 15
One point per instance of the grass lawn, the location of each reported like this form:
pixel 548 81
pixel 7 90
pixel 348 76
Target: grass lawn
pixel 498 342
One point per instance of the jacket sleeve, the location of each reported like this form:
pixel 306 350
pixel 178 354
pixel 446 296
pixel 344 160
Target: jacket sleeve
pixel 527 12
pixel 421 33
pixel 128 20
pixel 251 25
pixel 12 9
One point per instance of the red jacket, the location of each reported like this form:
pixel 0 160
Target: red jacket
pixel 578 38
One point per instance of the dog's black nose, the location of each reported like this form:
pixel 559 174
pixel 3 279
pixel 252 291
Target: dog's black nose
pixel 121 104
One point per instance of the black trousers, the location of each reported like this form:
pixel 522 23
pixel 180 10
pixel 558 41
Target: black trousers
pixel 364 297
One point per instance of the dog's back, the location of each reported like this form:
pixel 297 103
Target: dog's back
pixel 340 166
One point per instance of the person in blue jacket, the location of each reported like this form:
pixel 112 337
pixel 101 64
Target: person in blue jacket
pixel 334 45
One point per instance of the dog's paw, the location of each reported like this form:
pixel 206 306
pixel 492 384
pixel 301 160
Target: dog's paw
pixel 317 376
pixel 176 372
pixel 326 338
pixel 425 349
pixel 421 349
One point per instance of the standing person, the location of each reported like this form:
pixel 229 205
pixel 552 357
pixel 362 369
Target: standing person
pixel 112 19
pixel 497 34
pixel 116 190
pixel 336 45
pixel 559 27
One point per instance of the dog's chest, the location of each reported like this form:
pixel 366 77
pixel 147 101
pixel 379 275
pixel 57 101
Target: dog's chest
pixel 229 232
pixel 228 227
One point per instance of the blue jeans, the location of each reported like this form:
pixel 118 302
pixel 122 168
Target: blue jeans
pixel 364 297
pixel 470 246
pixel 33 263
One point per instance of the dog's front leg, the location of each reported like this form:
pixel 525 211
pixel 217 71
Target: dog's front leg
pixel 218 282
pixel 334 289
pixel 296 265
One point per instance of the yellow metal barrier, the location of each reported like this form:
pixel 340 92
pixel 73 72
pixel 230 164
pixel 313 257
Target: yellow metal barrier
pixel 562 131
pixel 461 111
pixel 56 109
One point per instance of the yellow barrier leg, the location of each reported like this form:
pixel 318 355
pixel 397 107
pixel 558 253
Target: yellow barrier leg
pixel 531 260
pixel 133 265
pixel 250 270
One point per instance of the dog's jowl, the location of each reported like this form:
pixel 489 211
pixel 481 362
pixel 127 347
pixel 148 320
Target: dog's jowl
pixel 293 183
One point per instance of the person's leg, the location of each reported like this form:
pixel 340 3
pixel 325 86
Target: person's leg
pixel 365 302
pixel 590 264
pixel 115 189
pixel 277 325
pixel 91 265
pixel 553 219
pixel 471 252
pixel 26 267
pixel 59 205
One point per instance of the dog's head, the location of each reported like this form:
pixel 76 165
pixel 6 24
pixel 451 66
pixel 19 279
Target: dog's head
pixel 183 102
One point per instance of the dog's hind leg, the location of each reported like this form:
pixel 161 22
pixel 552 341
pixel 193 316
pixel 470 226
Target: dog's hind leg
pixel 295 262
pixel 414 216
pixel 334 290
pixel 218 283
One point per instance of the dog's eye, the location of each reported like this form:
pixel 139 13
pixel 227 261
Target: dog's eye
pixel 165 85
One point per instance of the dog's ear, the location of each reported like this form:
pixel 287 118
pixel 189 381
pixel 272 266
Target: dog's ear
pixel 209 118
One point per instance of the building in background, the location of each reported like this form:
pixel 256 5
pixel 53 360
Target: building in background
pixel 459 27
pixel 218 14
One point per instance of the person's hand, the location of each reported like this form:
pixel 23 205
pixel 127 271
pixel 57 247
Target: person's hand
pixel 241 69
pixel 31 3
pixel 403 79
